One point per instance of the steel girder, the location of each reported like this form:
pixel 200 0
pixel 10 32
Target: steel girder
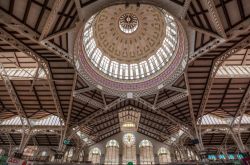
pixel 216 64
pixel 19 108
pixel 51 18
pixel 241 28
pixel 41 62
pixel 19 27
pixel 194 123
pixel 87 119
pixel 68 115
pixel 158 109
pixel 215 17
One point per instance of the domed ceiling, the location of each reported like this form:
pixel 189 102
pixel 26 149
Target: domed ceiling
pixel 131 49
pixel 129 35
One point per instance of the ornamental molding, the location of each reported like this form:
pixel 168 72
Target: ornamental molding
pixel 141 88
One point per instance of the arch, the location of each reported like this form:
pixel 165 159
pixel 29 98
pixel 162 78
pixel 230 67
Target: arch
pixel 164 155
pixel 30 151
pixel 129 148
pixel 95 155
pixel 68 155
pixel 146 152
pixel 191 154
pixel 112 152
pixel 145 143
pixel 112 143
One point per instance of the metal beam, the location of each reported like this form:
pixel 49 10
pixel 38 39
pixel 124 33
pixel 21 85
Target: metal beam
pixel 215 18
pixel 57 34
pixel 171 100
pixel 51 18
pixel 216 64
pixel 89 101
pixel 24 141
pixel 19 108
pixel 114 103
pixel 19 27
pixel 194 123
pixel 12 93
pixel 146 103
pixel 238 30
pixel 99 112
pixel 237 139
pixel 162 112
pixel 63 136
pixel 79 9
pixel 41 62
pixel 185 9
pixel 105 130
pixel 89 118
pixel 83 90
pixel 243 106
pixel 212 34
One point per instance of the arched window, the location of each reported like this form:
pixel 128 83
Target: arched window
pixel 68 155
pixel 30 151
pixel 129 149
pixel 191 155
pixel 43 155
pixel 164 155
pixel 146 152
pixel 178 155
pixel 95 156
pixel 112 152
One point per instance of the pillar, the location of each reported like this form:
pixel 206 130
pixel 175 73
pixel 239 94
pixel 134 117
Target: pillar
pixel 102 161
pixel 237 139
pixel 156 159
pixel 76 154
pixel 25 138
pixel 86 155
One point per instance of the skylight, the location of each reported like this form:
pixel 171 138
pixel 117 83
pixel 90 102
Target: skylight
pixel 47 121
pixel 28 73
pixel 233 72
pixel 129 23
pixel 84 137
pixel 215 120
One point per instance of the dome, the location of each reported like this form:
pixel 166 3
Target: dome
pixel 130 48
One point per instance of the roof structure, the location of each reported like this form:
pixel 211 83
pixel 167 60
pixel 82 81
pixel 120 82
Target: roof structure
pixel 42 78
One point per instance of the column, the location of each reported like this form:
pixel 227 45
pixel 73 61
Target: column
pixel 25 138
pixel 156 158
pixel 238 141
pixel 76 154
